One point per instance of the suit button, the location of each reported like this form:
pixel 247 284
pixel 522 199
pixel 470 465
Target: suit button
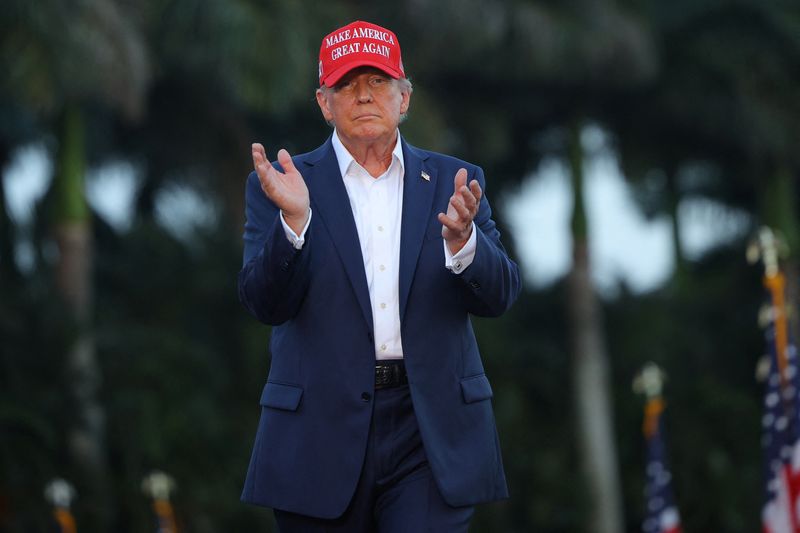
pixel 285 265
pixel 365 396
pixel 474 284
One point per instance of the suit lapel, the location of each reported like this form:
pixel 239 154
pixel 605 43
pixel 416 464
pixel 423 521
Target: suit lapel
pixel 330 202
pixel 418 194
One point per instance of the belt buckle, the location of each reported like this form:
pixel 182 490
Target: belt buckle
pixel 382 375
pixel 385 375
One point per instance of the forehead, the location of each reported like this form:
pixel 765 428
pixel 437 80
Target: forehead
pixel 360 71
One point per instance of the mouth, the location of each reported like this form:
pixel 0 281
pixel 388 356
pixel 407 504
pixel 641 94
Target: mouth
pixel 367 116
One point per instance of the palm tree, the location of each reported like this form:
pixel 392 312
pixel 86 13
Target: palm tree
pixel 61 55
pixel 726 99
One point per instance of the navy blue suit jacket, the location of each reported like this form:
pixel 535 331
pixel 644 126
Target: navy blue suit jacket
pixel 316 406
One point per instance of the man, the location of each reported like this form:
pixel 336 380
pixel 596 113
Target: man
pixel 367 256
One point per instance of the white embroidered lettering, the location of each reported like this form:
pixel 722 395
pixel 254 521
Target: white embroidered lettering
pixel 344 50
pixel 374 48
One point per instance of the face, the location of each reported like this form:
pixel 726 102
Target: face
pixel 365 105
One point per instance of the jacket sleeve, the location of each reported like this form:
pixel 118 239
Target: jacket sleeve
pixel 274 278
pixel 491 282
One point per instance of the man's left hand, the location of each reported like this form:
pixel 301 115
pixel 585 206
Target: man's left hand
pixel 461 210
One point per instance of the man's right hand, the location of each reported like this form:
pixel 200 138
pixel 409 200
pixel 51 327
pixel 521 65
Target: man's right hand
pixel 287 190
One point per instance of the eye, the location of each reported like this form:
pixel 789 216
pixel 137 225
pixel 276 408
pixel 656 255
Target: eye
pixel 344 86
pixel 377 81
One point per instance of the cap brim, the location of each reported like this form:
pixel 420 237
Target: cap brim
pixel 331 79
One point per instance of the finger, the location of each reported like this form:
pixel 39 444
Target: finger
pixel 475 187
pixel 454 227
pixel 259 154
pixel 266 175
pixel 451 223
pixel 462 211
pixel 286 161
pixel 265 171
pixel 263 168
pixel 259 157
pixel 461 178
pixel 468 198
pixel 258 147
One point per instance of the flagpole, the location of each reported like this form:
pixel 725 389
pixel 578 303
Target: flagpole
pixel 650 383
pixel 158 486
pixel 60 493
pixel 780 512
pixel 769 248
pixel 662 514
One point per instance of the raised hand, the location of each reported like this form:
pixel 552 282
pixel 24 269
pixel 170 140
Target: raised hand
pixel 461 210
pixel 286 189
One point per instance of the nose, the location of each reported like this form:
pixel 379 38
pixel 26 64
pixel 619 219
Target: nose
pixel 363 93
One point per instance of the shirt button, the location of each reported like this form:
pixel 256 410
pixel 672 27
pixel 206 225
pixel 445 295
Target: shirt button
pixel 383 347
pixel 380 228
pixel 381 268
pixel 383 306
pixel 458 265
pixel 365 396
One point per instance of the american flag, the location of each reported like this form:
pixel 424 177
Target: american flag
pixel 662 513
pixel 781 440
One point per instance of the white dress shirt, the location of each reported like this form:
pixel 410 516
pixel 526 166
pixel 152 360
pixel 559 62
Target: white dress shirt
pixel 377 206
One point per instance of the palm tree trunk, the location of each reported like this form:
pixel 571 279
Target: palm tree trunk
pixel 8 266
pixel 590 371
pixel 674 199
pixel 72 229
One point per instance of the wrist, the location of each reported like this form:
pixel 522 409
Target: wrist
pixel 296 221
pixel 456 245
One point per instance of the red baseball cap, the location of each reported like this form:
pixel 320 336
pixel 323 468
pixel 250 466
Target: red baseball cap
pixel 356 45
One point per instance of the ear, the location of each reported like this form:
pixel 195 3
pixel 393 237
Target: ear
pixel 405 102
pixel 322 101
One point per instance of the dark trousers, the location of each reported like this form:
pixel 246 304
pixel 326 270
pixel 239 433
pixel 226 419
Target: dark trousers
pixel 396 492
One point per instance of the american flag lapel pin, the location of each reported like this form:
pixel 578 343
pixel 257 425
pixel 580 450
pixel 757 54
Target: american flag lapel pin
pixel 425 176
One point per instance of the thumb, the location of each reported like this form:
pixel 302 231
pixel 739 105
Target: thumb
pixel 286 161
pixel 460 179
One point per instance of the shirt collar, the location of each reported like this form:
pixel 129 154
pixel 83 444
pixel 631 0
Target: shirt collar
pixel 344 158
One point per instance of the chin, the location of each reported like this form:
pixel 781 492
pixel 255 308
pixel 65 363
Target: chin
pixel 370 133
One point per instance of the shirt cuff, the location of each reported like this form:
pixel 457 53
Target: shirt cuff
pixel 459 261
pixel 297 241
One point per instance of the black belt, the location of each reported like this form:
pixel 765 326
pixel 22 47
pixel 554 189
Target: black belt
pixel 391 373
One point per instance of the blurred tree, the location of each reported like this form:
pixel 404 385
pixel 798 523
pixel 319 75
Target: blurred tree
pixel 591 373
pixel 72 232
pixel 228 73
pixel 716 124
pixel 8 264
pixel 720 120
pixel 54 67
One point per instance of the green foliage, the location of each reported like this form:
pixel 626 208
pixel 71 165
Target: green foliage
pixel 186 404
